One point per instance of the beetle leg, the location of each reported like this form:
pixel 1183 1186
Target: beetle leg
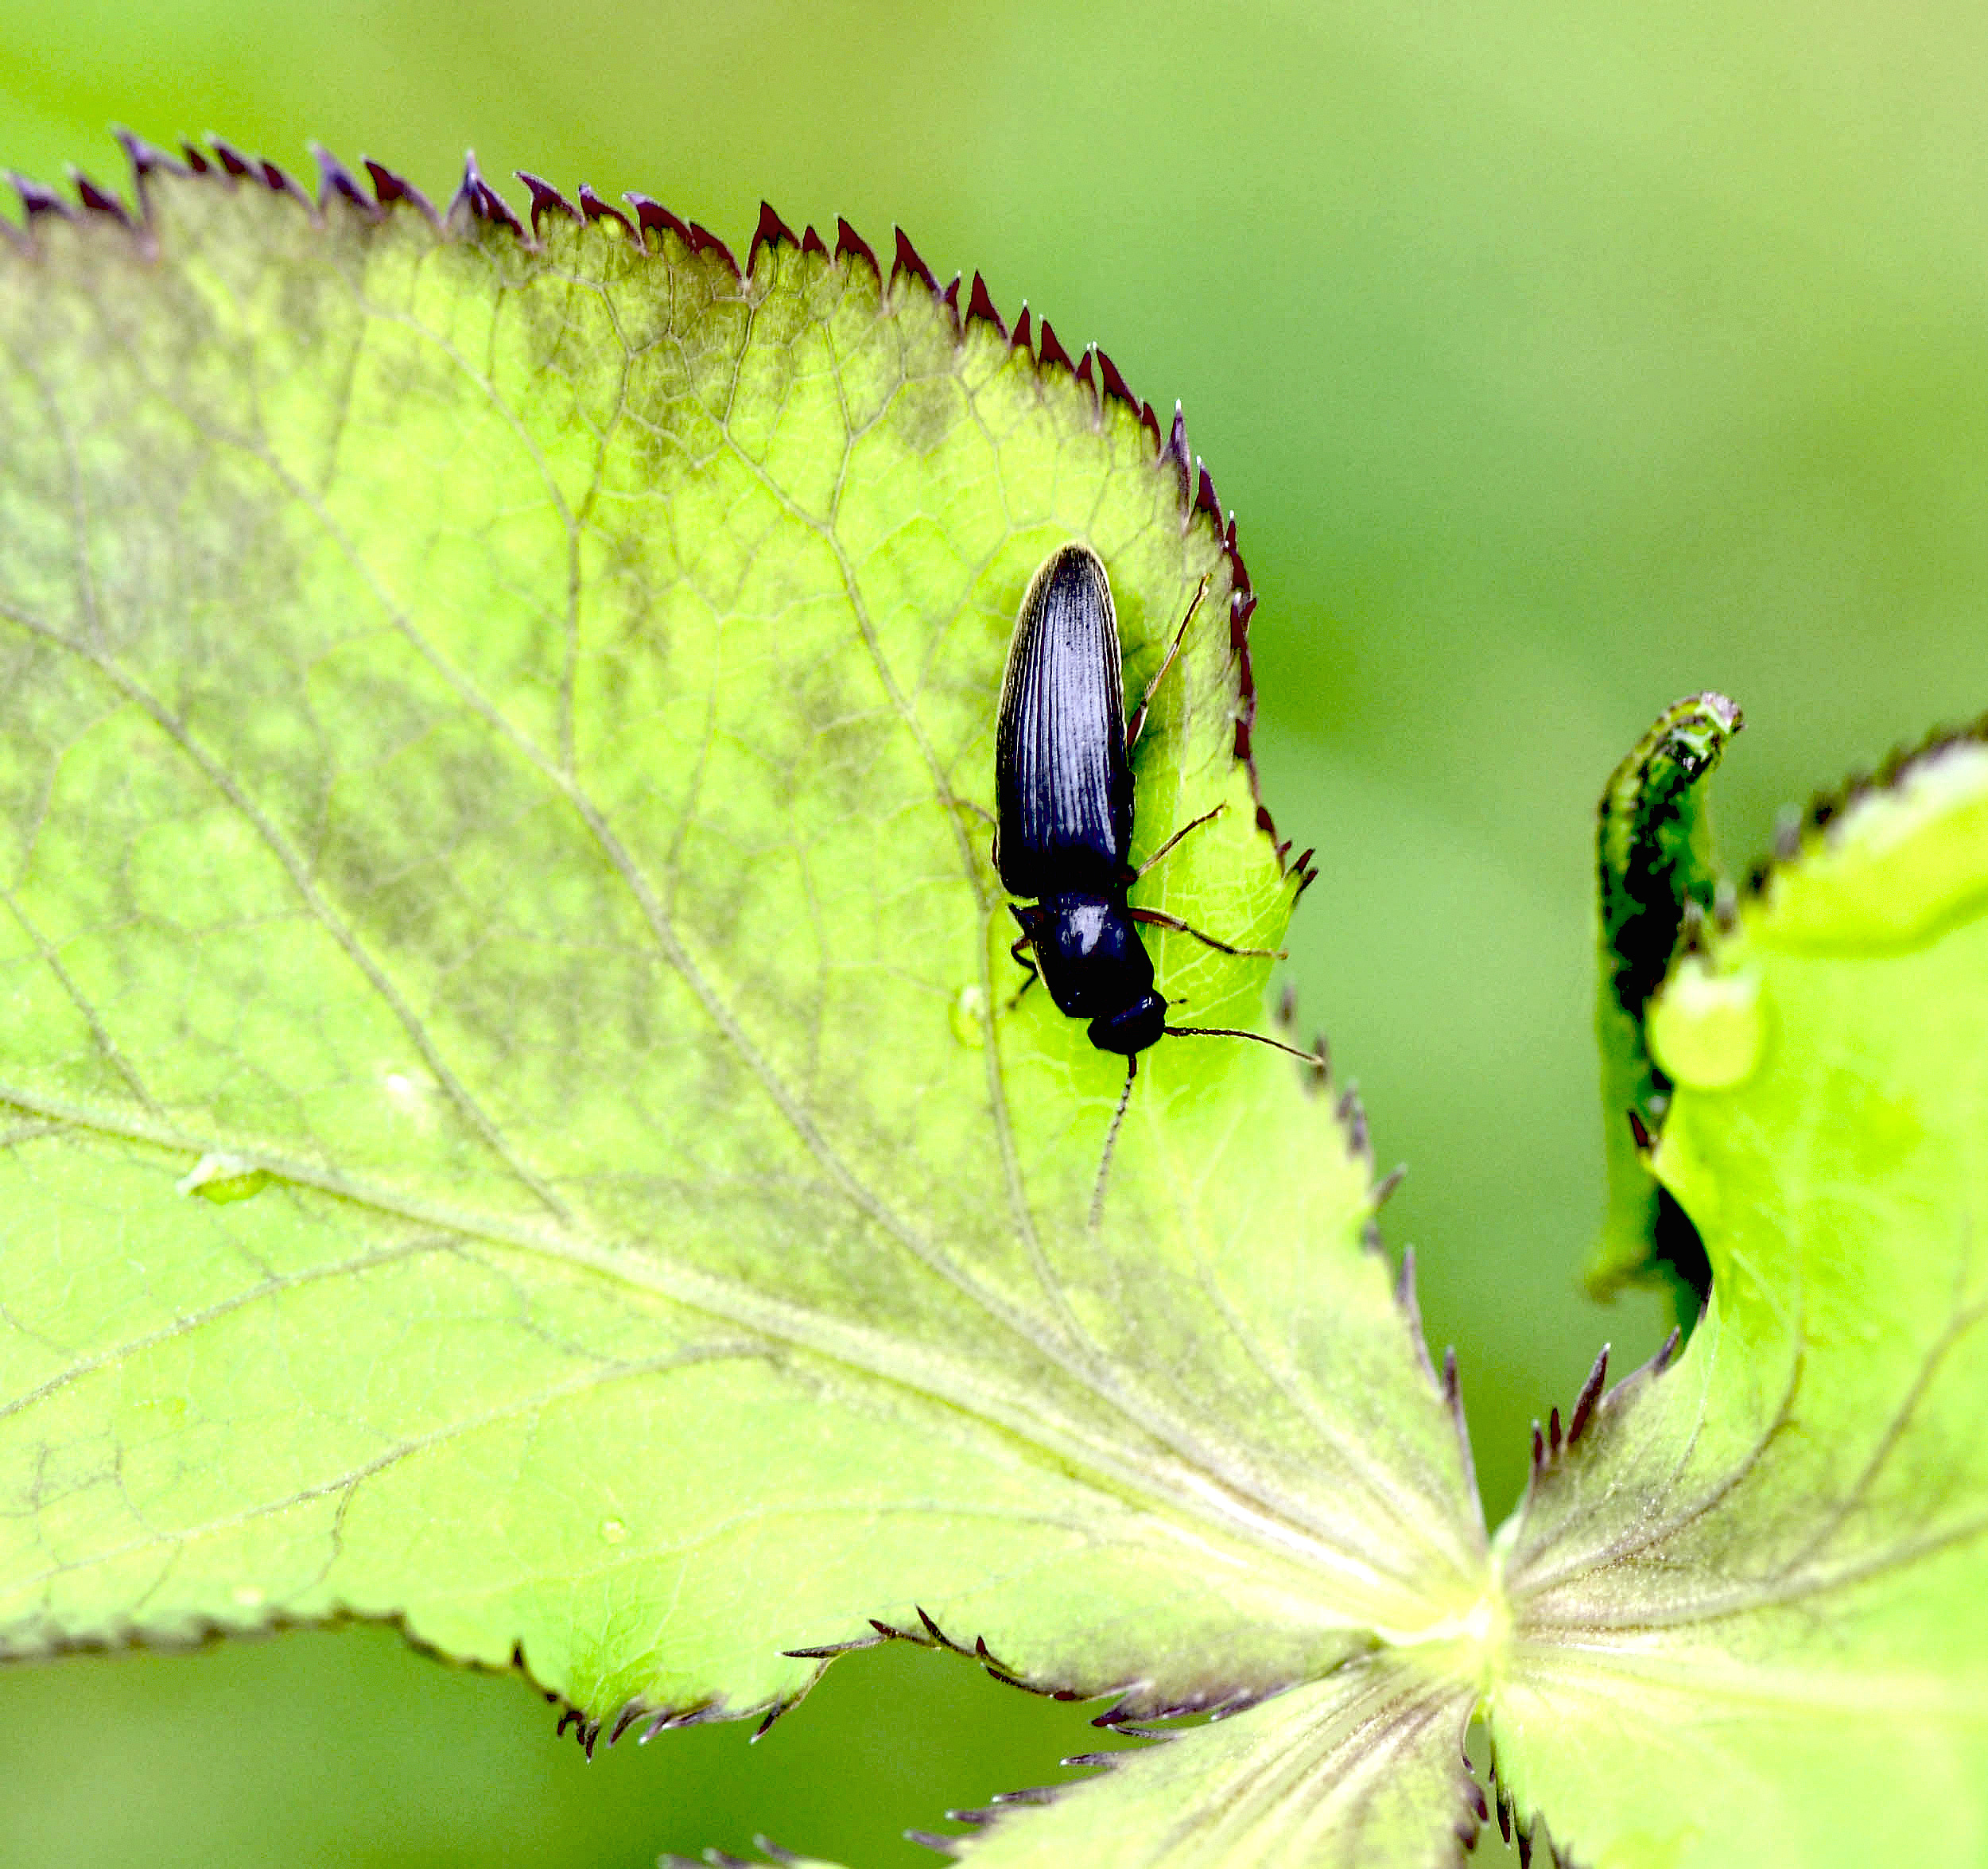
pixel 1192 823
pixel 1020 950
pixel 1156 919
pixel 1180 636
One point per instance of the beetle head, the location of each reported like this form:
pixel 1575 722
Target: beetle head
pixel 1131 1031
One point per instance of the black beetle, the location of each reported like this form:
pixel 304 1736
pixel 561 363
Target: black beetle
pixel 1063 826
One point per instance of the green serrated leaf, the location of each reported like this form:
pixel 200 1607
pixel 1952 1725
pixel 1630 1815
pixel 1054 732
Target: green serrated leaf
pixel 1750 1601
pixel 494 747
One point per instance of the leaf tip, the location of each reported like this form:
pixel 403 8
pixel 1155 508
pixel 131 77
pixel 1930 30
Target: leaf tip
pixel 703 240
pixel 851 245
pixel 908 264
pixel 595 209
pixel 545 200
pixel 146 158
pixel 1173 454
pixel 1086 376
pixel 1409 1305
pixel 1590 1394
pixel 937 1634
pixel 981 309
pixel 337 183
pixel 931 1840
pixel 475 200
pixel 390 188
pixel 1352 1118
pixel 1054 356
pixel 233 164
pixel 1318 1071
pixel 1113 384
pixel 651 217
pixel 100 201
pixel 37 200
pixel 239 166
pixel 769 236
pixel 1205 499
pixel 1453 1400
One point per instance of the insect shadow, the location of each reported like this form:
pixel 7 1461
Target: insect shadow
pixel 1063 826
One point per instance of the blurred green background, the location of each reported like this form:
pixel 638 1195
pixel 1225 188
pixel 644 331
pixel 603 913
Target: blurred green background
pixel 1559 359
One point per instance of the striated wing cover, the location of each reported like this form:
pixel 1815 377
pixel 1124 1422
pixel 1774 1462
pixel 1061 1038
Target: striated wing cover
pixel 1063 785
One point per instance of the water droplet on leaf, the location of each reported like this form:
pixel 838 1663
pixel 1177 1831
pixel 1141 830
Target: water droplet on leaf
pixel 409 1097
pixel 969 1015
pixel 222 1178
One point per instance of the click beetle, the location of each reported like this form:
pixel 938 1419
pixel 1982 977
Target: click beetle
pixel 1064 802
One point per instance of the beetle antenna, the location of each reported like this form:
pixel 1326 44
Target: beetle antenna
pixel 1231 1032
pixel 1111 1142
pixel 1146 700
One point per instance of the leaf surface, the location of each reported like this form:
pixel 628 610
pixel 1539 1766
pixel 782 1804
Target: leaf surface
pixel 1364 1770
pixel 516 1120
pixel 1750 1601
